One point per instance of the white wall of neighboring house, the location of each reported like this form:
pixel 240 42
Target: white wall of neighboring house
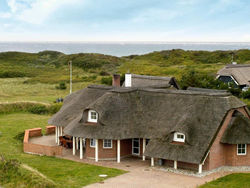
pixel 128 80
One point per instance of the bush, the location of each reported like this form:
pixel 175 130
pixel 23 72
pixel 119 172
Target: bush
pixel 54 108
pixel 38 109
pixel 192 78
pixel 106 80
pixel 19 136
pixel 246 94
pixel 89 78
pixel 12 74
pixel 103 73
pixel 61 86
pixel 35 108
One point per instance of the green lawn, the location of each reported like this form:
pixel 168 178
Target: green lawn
pixel 15 89
pixel 239 180
pixel 64 172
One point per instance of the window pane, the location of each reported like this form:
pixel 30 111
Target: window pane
pixel 135 150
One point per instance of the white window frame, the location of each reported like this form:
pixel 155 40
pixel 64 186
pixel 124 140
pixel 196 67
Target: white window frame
pixel 90 119
pixel 176 139
pixel 136 147
pixel 241 148
pixel 109 147
pixel 91 141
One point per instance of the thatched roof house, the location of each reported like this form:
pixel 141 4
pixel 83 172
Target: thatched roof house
pixel 135 80
pixel 182 125
pixel 239 74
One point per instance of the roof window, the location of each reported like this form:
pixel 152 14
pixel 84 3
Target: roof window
pixel 179 137
pixel 92 116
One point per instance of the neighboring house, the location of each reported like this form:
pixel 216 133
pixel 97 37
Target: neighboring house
pixel 237 74
pixel 191 129
pixel 134 80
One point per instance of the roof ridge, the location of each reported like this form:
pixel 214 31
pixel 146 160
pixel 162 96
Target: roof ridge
pixel 168 91
pixel 151 77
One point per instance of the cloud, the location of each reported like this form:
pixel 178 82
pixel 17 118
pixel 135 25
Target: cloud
pixel 5 15
pixel 223 5
pixel 35 11
pixel 156 15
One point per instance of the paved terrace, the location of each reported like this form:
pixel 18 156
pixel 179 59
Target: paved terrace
pixel 44 140
pixel 140 174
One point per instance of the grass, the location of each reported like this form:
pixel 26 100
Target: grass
pixel 237 180
pixel 64 172
pixel 15 89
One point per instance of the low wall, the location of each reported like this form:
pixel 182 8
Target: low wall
pixel 50 129
pixel 38 148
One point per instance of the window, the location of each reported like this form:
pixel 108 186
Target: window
pixel 136 146
pixel 179 137
pixel 241 149
pixel 92 143
pixel 107 143
pixel 92 116
pixel 147 141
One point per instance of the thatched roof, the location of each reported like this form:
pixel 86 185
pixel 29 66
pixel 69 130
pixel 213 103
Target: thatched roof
pixel 75 103
pixel 241 73
pixel 149 81
pixel 238 131
pixel 205 90
pixel 151 113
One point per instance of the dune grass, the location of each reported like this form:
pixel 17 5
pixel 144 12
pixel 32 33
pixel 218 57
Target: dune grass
pixel 64 173
pixel 237 180
pixel 15 89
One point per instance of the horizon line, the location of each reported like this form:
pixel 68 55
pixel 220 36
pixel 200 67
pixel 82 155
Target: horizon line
pixel 124 42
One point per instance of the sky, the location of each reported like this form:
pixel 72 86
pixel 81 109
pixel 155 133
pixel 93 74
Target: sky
pixel 125 20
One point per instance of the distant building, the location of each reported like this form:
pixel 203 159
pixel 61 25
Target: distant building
pixel 135 80
pixel 237 74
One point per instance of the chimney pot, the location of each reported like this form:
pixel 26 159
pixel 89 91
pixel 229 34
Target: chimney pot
pixel 116 80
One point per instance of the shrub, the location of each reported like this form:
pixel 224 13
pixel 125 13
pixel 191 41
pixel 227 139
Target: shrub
pixel 19 136
pixel 246 94
pixel 12 74
pixel 35 108
pixel 61 86
pixel 106 80
pixel 103 73
pixel 89 78
pixel 38 109
pixel 54 108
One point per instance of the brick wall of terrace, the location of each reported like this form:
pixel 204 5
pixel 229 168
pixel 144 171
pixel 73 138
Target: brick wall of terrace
pixel 40 149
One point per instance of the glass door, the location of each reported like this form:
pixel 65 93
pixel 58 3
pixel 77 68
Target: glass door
pixel 136 146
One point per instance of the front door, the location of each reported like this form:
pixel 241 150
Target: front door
pixel 136 146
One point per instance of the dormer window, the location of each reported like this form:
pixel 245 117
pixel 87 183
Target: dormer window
pixel 92 116
pixel 179 137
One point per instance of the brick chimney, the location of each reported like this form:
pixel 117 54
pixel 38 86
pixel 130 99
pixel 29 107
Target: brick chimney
pixel 116 80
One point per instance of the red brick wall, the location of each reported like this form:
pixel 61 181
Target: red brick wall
pixel 89 152
pixel 126 147
pixel 109 153
pixel 35 132
pixel 232 159
pixel 224 154
pixel 103 153
pixel 42 149
pixel 50 129
pixel 37 148
pixel 181 165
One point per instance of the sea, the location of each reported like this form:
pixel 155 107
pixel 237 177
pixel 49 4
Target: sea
pixel 118 48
